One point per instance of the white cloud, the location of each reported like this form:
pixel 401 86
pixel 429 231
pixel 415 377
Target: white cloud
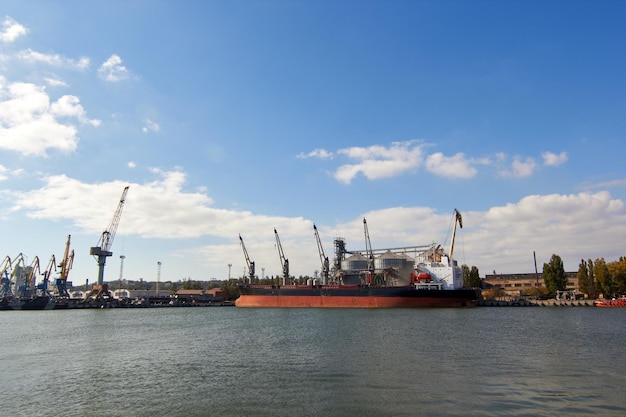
pixel 381 162
pixel 552 159
pixel 113 70
pixel 11 30
pixel 69 106
pixel 157 209
pixel 316 153
pixel 519 168
pixel 620 183
pixel 29 123
pixel 150 126
pixel 575 226
pixel 55 82
pixel 503 238
pixel 132 164
pixel 457 166
pixel 523 168
pixel 5 173
pixel 53 59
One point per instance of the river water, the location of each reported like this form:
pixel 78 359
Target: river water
pixel 225 361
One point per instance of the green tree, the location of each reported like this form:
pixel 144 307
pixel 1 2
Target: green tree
pixel 554 275
pixel 494 293
pixel 604 279
pixel 474 278
pixel 586 278
pixel 231 289
pixel 537 292
pixel 466 275
pixel 188 284
pixel 618 272
pixel 471 277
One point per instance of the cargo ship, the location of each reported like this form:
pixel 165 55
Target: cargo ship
pixel 352 296
pixel 410 277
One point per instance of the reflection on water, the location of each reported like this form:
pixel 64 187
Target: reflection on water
pixel 310 362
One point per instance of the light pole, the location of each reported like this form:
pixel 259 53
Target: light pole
pixel 119 290
pixel 229 266
pixel 158 277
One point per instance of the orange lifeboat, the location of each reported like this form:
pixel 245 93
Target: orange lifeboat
pixel 421 277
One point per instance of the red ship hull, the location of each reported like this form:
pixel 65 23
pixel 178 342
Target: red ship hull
pixel 352 297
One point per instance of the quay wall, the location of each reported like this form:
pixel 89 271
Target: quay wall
pixel 536 303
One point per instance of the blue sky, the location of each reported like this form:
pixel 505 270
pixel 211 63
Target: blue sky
pixel 238 117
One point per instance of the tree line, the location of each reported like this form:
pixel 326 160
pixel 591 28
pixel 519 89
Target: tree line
pixel 595 277
pixel 601 277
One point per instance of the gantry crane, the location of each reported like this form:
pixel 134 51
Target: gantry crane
pixel 323 257
pixel 103 249
pixel 251 269
pixel 284 262
pixel 65 265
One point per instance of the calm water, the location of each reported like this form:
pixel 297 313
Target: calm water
pixel 273 362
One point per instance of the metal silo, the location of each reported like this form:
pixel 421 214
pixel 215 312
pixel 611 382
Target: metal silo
pixel 356 262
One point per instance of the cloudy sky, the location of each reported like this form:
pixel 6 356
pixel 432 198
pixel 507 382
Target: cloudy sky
pixel 238 117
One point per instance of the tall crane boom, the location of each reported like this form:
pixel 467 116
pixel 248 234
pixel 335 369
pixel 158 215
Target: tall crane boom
pixel 251 269
pixel 323 257
pixel 47 273
pixel 368 249
pixel 457 220
pixel 284 262
pixel 26 284
pixel 65 265
pixel 103 249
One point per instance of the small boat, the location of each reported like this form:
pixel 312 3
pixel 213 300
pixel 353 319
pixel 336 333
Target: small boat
pixel 615 302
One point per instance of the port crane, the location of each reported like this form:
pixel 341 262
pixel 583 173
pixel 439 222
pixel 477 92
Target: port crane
pixel 28 277
pixel 17 274
pixel 323 257
pixel 103 248
pixel 458 219
pixel 368 250
pixel 65 265
pixel 251 269
pixel 52 264
pixel 5 282
pixel 283 261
